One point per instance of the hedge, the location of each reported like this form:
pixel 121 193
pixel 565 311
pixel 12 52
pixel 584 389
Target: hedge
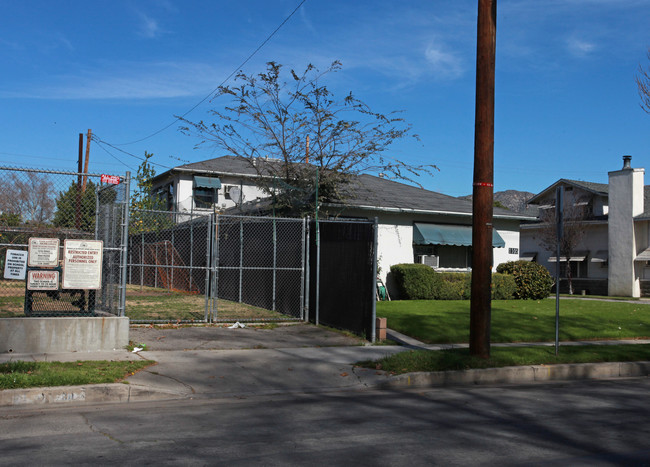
pixel 421 282
pixel 415 281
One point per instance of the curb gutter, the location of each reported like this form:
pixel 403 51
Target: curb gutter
pixel 519 375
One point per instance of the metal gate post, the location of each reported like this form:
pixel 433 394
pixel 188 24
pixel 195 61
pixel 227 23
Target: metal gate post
pixel 241 256
pixel 307 268
pixel 302 273
pixel 125 244
pixel 374 281
pixel 208 315
pixel 317 270
pixel 275 260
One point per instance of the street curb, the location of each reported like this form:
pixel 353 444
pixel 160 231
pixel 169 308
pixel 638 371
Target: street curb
pixel 94 394
pixel 519 375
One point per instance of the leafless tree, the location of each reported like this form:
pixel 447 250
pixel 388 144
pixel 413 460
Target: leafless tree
pixel 280 124
pixel 28 195
pixel 574 217
pixel 643 83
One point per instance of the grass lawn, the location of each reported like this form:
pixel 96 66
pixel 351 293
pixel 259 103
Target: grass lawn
pixel 460 359
pixel 21 374
pixel 155 304
pixel 150 304
pixel 447 321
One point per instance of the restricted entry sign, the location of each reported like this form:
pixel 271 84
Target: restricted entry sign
pixel 82 264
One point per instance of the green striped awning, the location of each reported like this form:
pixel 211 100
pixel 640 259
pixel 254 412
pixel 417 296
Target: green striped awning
pixel 446 234
pixel 207 182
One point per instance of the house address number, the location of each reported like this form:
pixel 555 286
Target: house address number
pixel 513 251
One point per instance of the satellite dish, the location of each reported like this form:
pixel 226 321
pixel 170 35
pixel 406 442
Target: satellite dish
pixel 236 195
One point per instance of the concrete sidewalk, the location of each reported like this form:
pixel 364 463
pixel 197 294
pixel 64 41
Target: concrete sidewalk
pixel 209 362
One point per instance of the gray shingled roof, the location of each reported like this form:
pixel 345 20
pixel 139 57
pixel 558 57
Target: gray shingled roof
pixel 369 191
pixel 220 165
pixel 366 191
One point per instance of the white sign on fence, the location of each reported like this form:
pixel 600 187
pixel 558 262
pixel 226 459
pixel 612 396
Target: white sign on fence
pixel 43 280
pixel 82 264
pixel 16 264
pixel 43 252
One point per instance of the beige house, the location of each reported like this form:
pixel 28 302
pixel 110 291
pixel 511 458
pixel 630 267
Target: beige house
pixel 613 256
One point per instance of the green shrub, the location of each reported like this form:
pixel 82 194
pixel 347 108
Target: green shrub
pixel 532 279
pixel 504 286
pixel 415 281
pixel 454 286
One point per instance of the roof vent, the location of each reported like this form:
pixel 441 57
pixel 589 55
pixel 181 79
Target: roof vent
pixel 626 162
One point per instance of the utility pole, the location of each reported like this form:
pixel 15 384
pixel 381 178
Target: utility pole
pixel 483 190
pixel 79 170
pixel 83 188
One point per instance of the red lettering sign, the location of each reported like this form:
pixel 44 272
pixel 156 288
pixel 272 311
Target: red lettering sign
pixel 112 179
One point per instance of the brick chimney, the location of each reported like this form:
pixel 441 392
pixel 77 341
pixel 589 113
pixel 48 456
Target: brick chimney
pixel 625 202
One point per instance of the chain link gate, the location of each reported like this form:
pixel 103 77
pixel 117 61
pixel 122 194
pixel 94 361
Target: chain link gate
pixel 205 267
pixel 258 269
pixel 56 209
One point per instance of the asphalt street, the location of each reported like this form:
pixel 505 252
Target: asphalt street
pixel 579 423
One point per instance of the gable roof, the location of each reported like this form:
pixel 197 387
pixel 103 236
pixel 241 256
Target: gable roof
pixel 600 189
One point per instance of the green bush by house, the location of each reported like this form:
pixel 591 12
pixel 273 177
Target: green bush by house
pixel 454 286
pixel 532 279
pixel 415 281
pixel 504 286
pixel 421 282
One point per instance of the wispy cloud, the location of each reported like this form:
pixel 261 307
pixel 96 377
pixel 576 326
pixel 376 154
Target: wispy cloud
pixel 161 80
pixel 579 47
pixel 149 27
pixel 443 63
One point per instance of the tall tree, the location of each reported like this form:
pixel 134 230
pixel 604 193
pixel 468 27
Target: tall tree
pixel 28 195
pixel 145 207
pixel 643 84
pixel 75 209
pixel 298 136
pixel 573 231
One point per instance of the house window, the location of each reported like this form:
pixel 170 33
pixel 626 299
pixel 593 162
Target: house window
pixel 165 197
pixel 448 256
pixel 578 269
pixel 206 192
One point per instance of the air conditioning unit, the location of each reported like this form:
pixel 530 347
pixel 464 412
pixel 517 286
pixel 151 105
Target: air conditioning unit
pixel 430 260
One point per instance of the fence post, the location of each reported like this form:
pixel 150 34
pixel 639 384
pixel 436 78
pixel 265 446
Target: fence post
pixel 302 272
pixel 374 281
pixel 275 260
pixel 241 256
pixel 125 244
pixel 317 271
pixel 209 310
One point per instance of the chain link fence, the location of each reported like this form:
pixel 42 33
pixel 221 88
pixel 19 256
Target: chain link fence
pixel 73 223
pixel 187 267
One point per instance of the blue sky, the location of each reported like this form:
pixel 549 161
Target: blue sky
pixel 566 101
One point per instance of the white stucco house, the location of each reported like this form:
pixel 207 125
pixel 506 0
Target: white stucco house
pixel 613 256
pixel 415 225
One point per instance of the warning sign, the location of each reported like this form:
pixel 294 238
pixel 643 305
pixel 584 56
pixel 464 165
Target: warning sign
pixel 43 252
pixel 82 264
pixel 111 179
pixel 43 280
pixel 15 264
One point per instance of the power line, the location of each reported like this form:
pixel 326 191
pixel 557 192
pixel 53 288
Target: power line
pixel 113 156
pixel 221 84
pixel 101 142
